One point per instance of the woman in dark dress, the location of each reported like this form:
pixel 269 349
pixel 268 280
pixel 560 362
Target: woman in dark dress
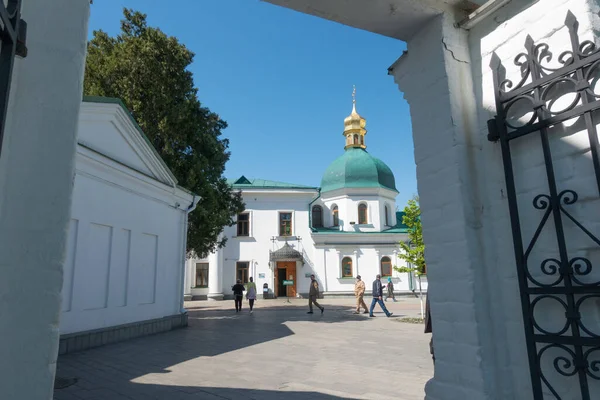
pixel 238 295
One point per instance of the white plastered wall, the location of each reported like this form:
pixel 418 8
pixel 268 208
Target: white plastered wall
pixel 366 262
pixel 504 33
pixel 36 172
pixel 264 209
pixel 322 260
pixel 121 266
pixel 477 323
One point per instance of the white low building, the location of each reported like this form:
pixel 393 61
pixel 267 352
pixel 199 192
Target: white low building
pixel 346 227
pixel 125 254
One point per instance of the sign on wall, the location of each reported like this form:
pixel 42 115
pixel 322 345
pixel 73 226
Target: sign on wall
pixel 261 276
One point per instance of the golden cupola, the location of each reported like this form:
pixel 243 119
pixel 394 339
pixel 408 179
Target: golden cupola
pixel 354 127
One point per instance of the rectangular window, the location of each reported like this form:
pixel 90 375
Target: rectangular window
pixel 243 224
pixel 241 271
pixel 201 274
pixel 386 267
pixel 347 267
pixel 285 224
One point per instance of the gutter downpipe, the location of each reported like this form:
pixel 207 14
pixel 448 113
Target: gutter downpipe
pixel 191 208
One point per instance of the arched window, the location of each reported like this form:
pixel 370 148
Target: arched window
pixel 386 266
pixel 362 213
pixel 386 210
pixel 336 216
pixel 362 140
pixel 317 217
pixel 347 267
pixel 355 139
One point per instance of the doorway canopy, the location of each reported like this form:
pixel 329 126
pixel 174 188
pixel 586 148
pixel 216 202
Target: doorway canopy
pixel 286 253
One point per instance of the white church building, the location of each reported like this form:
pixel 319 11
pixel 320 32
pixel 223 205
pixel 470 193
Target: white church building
pixel 346 227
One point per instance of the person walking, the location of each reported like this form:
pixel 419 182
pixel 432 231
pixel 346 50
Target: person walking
pixel 251 294
pixel 238 295
pixel 378 297
pixel 359 292
pixel 390 289
pixel 313 294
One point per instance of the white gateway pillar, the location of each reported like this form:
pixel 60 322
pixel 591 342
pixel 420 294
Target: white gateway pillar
pixel 478 333
pixel 36 183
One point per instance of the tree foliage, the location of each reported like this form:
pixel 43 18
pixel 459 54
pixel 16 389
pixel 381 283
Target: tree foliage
pixel 413 251
pixel 147 70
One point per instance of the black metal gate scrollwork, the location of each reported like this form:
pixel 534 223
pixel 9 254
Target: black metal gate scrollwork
pixel 574 347
pixel 12 43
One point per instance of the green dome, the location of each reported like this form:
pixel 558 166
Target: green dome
pixel 357 169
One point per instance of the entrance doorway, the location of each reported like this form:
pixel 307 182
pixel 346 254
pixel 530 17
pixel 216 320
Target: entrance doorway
pixel 286 271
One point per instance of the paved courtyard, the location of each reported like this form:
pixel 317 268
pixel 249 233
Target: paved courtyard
pixel 279 352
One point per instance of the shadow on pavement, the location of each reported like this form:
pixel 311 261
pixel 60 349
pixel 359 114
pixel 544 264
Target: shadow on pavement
pixel 161 392
pixel 107 372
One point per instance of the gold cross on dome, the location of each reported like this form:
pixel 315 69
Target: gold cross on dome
pixel 353 94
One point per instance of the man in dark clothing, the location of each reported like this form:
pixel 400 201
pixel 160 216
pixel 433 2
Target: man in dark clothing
pixel 378 297
pixel 313 294
pixel 238 295
pixel 428 327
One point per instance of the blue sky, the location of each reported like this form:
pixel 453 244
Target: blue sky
pixel 283 82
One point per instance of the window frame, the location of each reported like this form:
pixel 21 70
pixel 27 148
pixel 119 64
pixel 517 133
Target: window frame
pixel 239 267
pixel 335 214
pixel 238 222
pixel 366 219
pixel 389 259
pixel 386 211
pixel 196 274
pixel 351 262
pixel 280 225
pixel 320 211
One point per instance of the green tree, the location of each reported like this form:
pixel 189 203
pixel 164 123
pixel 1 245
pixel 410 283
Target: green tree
pixel 147 70
pixel 413 251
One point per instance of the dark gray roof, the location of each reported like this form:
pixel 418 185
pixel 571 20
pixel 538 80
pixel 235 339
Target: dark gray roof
pixel 286 253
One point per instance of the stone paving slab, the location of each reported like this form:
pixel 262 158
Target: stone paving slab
pixel 279 352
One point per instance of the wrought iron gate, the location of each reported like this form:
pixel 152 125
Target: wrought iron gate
pixel 12 42
pixel 575 346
